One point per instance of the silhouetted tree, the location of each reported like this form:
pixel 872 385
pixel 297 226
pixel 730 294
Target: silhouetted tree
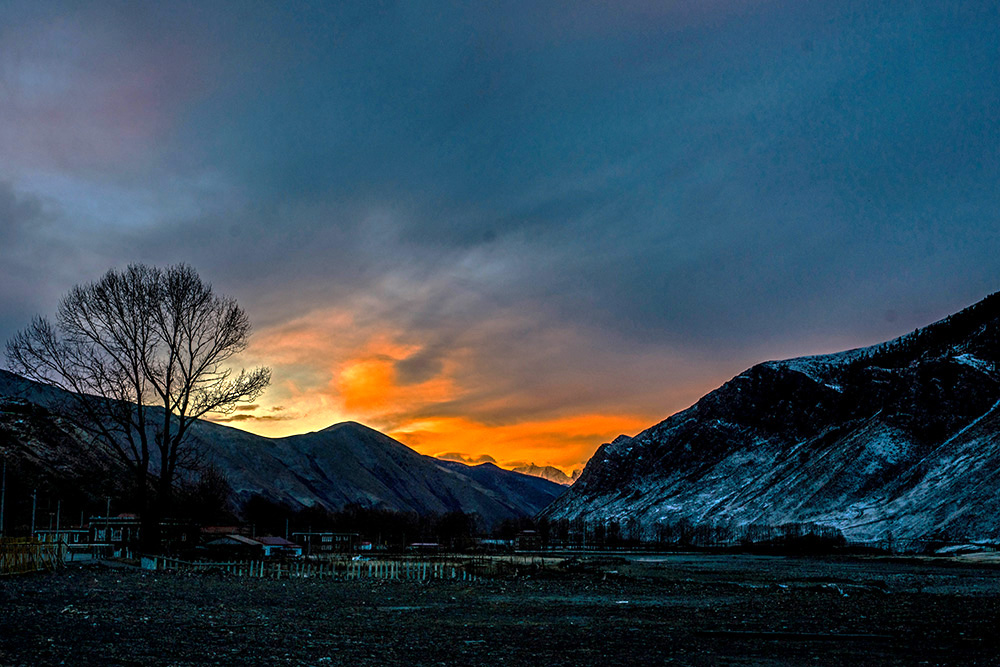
pixel 455 528
pixel 143 353
pixel 208 499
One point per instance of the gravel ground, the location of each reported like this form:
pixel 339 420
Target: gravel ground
pixel 700 610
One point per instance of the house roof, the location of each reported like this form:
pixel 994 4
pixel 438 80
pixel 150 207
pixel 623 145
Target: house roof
pixel 275 541
pixel 234 540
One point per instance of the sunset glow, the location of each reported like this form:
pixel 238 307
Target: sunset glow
pixel 507 230
pixel 322 378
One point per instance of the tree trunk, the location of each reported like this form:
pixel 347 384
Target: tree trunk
pixel 150 525
pixel 160 509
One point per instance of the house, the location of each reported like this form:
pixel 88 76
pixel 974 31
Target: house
pixel 72 541
pixel 243 547
pixel 495 544
pixel 114 535
pixel 68 536
pixel 326 542
pixel 528 540
pixel 213 532
pixel 235 547
pixel 279 546
pixel 117 535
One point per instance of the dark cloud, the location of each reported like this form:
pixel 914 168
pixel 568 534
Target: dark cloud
pixel 585 206
pixel 243 417
pixel 18 215
pixel 26 241
pixel 420 366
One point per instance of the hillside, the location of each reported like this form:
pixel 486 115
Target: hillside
pixel 899 440
pixel 343 464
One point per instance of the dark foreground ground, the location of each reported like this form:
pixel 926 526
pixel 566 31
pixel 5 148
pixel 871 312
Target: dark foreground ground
pixel 694 610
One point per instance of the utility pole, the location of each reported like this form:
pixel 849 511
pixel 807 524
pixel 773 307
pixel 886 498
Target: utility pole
pixel 3 495
pixel 58 511
pixel 34 499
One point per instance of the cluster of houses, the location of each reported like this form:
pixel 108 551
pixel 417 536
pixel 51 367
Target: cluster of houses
pixel 117 535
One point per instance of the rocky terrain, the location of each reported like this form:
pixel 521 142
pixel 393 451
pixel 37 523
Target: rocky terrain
pixel 898 441
pixel 343 464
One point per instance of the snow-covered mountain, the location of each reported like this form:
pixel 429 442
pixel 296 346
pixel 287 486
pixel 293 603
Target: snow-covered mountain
pixel 343 464
pixel 899 440
pixel 550 473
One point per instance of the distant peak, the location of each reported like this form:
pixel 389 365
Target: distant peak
pixel 346 424
pixel 351 427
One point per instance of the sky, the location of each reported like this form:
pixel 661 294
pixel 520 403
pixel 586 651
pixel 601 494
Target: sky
pixel 510 230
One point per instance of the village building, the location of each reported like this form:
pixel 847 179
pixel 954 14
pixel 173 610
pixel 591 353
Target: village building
pixel 213 532
pixel 528 540
pixel 318 542
pixel 279 546
pixel 238 547
pixel 119 535
pixel 235 547
pixel 72 541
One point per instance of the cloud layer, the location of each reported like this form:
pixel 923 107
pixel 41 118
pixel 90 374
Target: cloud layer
pixel 514 229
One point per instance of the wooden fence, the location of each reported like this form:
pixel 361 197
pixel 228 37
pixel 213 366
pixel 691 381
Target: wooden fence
pixel 324 569
pixel 22 555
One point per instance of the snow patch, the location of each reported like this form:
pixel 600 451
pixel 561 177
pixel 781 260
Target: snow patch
pixel 974 362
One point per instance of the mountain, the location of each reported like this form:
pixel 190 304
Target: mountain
pixel 550 473
pixel 895 441
pixel 41 455
pixel 343 464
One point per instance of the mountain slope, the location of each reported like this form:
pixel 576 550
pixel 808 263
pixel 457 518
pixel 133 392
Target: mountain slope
pixel 900 438
pixel 345 463
pixel 42 457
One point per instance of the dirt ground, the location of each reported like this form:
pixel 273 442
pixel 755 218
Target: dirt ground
pixel 690 610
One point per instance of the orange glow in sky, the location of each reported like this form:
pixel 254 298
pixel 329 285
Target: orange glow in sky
pixel 333 366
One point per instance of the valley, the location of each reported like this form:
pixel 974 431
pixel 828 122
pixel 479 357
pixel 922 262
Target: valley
pixel 678 609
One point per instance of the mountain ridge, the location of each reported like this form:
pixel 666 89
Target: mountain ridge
pixel 341 464
pixel 864 441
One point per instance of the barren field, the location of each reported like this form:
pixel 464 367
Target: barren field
pixel 694 610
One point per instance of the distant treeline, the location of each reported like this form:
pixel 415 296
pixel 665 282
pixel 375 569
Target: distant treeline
pixel 376 525
pixel 684 534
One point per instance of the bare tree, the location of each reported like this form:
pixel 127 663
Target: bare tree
pixel 143 354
